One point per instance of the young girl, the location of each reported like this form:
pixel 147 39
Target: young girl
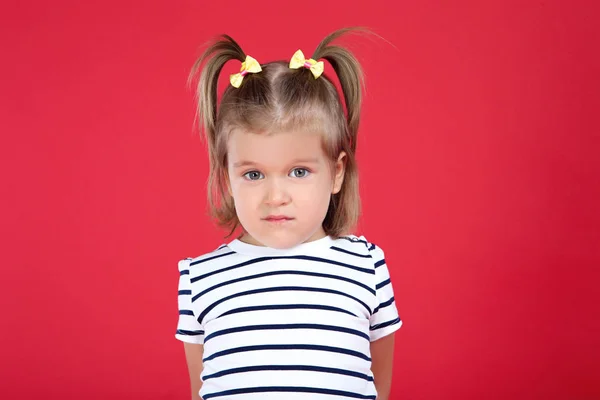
pixel 295 307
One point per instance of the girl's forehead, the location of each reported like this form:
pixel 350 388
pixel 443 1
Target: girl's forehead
pixel 279 146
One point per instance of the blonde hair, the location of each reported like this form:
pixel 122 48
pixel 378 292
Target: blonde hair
pixel 280 99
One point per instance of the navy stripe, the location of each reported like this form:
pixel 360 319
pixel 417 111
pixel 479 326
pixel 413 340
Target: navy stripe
pixel 287 307
pixel 182 292
pixel 210 258
pixel 372 247
pixel 379 263
pixel 276 289
pixel 385 324
pixel 349 252
pixel 383 305
pixel 186 312
pixel 288 389
pixel 286 326
pixel 289 368
pixel 261 259
pixel 189 333
pixel 382 284
pixel 245 278
pixel 287 347
pixel 184 272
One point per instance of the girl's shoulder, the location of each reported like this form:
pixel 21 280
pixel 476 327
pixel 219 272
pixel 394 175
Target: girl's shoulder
pixel 188 262
pixel 357 244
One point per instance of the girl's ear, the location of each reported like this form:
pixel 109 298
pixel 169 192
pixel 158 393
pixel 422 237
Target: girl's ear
pixel 339 171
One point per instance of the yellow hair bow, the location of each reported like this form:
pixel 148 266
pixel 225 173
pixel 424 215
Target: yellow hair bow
pixel 298 61
pixel 249 66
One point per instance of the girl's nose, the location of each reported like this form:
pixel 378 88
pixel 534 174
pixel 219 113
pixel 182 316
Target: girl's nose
pixel 277 194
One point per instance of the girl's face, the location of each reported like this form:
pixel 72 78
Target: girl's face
pixel 281 186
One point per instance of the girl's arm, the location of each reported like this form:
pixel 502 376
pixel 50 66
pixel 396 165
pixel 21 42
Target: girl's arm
pixel 193 356
pixel 382 356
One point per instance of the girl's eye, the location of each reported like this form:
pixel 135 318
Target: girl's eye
pixel 299 173
pixel 253 175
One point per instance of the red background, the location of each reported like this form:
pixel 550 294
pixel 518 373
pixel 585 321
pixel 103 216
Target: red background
pixel 479 160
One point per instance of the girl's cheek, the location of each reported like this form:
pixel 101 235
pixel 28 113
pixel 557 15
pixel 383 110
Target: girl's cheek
pixel 246 189
pixel 236 188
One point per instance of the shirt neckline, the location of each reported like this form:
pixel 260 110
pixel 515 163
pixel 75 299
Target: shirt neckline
pixel 303 248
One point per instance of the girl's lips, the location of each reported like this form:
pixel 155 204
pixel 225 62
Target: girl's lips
pixel 278 218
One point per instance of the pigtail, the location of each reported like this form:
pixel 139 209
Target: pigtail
pixel 213 58
pixel 350 75
pixel 210 64
pixel 344 207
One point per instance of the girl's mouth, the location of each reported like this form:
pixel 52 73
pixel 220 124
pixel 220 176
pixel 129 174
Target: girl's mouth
pixel 278 218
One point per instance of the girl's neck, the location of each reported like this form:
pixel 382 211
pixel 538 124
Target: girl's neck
pixel 245 237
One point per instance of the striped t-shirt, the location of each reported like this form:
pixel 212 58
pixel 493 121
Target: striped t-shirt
pixel 287 324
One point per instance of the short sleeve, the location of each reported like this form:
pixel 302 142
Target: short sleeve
pixel 188 328
pixel 385 319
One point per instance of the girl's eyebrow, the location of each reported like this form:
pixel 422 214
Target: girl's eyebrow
pixel 313 160
pixel 245 163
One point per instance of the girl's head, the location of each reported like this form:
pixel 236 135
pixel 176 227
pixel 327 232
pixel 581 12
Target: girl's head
pixel 281 147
